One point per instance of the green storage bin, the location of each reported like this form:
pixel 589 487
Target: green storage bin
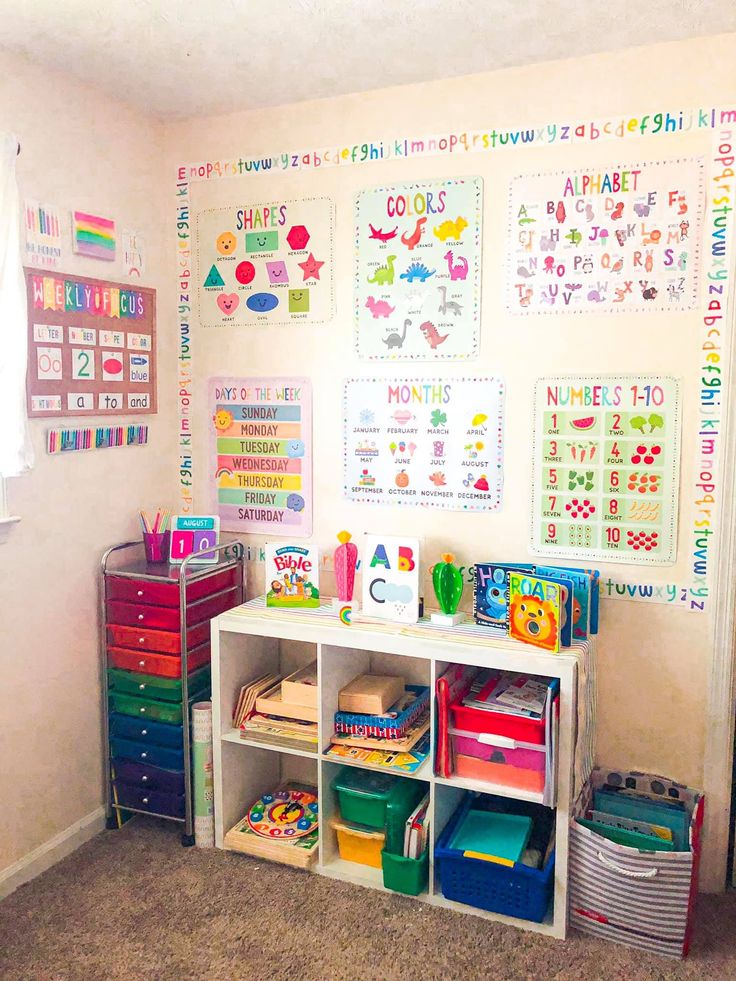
pixel 407 875
pixel 154 686
pixel 146 708
pixel 378 800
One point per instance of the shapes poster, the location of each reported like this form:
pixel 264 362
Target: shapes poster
pixel 606 468
pixel 91 346
pixel 261 454
pixel 269 263
pixel 424 441
pixel 417 270
pixel 623 238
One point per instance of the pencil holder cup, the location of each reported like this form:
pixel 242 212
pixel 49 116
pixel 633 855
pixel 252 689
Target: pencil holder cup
pixel 156 545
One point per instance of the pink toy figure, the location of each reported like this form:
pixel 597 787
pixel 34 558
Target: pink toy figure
pixel 345 560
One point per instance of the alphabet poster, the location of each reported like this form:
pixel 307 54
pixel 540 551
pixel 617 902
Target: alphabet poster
pixel 261 454
pixel 607 468
pixel 424 441
pixel 620 238
pixel 269 263
pixel 91 346
pixel 417 270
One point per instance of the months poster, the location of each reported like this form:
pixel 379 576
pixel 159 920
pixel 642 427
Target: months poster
pixel 606 459
pixel 269 263
pixel 261 454
pixel 91 346
pixel 620 238
pixel 417 270
pixel 424 441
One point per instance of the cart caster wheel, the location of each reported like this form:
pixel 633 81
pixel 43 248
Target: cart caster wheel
pixel 187 841
pixel 111 823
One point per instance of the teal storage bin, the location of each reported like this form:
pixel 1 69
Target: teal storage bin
pixel 407 875
pixel 378 800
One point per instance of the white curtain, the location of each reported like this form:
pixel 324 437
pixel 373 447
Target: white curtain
pixel 16 453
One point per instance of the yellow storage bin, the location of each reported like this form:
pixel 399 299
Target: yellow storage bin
pixel 359 845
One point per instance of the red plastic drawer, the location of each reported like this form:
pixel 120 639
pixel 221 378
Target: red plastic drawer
pixel 167 617
pixel 167 593
pixel 164 641
pixel 499 723
pixel 163 665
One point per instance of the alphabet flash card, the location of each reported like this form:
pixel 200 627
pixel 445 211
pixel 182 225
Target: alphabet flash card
pixel 391 578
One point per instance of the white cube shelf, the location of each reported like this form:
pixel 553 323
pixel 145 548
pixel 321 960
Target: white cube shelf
pixel 250 640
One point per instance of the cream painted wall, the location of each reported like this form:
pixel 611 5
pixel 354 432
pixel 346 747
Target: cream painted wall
pixel 79 149
pixel 653 661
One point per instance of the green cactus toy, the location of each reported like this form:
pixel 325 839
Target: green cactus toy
pixel 448 588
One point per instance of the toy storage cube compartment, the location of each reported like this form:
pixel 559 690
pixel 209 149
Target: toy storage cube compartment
pixel 641 899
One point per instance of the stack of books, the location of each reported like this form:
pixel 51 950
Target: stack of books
pixel 272 709
pixel 509 693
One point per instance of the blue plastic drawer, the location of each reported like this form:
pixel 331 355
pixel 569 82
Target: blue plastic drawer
pixel 157 801
pixel 171 759
pixel 148 777
pixel 145 730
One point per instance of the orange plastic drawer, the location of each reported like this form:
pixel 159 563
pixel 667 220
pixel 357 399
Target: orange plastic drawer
pixel 167 593
pixel 163 665
pixel 164 641
pixel 471 768
pixel 167 617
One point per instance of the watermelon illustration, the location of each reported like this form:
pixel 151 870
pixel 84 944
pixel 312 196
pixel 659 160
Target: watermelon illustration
pixel 581 424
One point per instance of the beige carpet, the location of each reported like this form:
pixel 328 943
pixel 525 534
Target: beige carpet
pixel 133 904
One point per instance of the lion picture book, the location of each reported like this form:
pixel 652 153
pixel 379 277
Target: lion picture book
pixel 539 610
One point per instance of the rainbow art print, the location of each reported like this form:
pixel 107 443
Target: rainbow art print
pixel 93 236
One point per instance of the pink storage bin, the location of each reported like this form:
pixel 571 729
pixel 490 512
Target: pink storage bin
pixel 499 759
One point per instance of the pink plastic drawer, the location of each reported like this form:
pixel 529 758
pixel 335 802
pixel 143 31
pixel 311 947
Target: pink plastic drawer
pixel 167 617
pixel 167 593
pixel 164 641
pixel 497 759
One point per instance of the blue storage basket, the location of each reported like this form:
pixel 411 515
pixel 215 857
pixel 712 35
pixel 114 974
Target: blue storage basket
pixel 402 721
pixel 516 890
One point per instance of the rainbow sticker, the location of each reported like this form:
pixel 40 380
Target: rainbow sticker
pixel 93 236
pixel 345 614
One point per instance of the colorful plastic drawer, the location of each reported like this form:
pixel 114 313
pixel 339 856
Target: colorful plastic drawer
pixel 163 665
pixel 167 593
pixel 162 641
pixel 126 749
pixel 146 708
pixel 154 686
pixel 142 730
pixel 156 801
pixel 484 720
pixel 148 777
pixel 496 759
pixel 167 617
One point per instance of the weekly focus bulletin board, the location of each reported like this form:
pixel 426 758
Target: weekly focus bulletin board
pixel 640 302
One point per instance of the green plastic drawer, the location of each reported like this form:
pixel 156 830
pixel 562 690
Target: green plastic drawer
pixel 154 686
pixel 146 708
pixel 378 800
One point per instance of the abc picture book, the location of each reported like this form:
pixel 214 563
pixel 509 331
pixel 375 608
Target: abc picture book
pixel 292 577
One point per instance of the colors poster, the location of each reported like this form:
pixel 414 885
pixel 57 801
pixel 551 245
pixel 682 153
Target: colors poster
pixel 265 264
pixel 428 442
pixel 417 270
pixel 607 468
pixel 261 454
pixel 43 237
pixel 606 239
pixel 93 236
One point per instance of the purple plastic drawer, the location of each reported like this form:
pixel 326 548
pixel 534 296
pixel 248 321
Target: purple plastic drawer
pixel 149 777
pixel 156 801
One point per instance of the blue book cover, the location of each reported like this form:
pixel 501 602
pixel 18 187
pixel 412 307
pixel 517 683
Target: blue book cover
pixel 581 581
pixel 490 592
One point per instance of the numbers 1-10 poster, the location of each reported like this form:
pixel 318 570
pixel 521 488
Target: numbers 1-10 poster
pixel 606 459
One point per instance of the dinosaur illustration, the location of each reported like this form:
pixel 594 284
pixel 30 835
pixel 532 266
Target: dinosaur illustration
pixel 431 336
pixel 381 235
pixel 446 305
pixel 411 240
pixel 451 229
pixel 379 308
pixel 384 275
pixel 460 269
pixel 395 339
pixel 416 270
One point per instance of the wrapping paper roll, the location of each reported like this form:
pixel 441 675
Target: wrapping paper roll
pixel 203 782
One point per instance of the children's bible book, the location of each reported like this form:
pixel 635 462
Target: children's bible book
pixel 292 576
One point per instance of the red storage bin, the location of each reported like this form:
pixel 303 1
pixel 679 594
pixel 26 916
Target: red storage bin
pixel 167 617
pixel 499 723
pixel 167 593
pixel 163 665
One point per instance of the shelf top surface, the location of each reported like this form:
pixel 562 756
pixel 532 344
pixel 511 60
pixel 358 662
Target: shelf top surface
pixel 324 625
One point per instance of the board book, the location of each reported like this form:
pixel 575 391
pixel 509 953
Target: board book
pixel 536 610
pixel 490 592
pixel 292 577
